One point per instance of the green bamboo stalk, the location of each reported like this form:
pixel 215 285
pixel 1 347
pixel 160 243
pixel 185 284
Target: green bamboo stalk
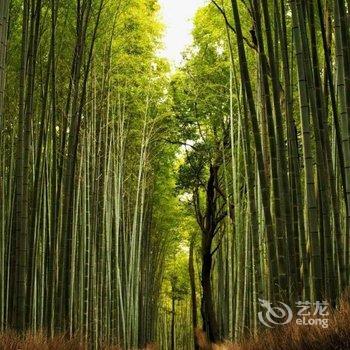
pixel 257 142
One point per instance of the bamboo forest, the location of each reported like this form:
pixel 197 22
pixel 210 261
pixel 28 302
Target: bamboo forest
pixel 152 205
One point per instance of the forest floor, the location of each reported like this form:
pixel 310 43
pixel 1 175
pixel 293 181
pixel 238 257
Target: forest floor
pixel 292 337
pixel 295 337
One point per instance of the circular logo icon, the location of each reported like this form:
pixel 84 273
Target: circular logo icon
pixel 274 315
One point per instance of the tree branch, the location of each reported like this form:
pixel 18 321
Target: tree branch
pixel 220 218
pixel 218 245
pixel 185 144
pixel 222 11
pixel 199 215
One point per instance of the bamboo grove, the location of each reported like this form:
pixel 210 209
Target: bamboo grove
pixel 84 110
pixel 139 203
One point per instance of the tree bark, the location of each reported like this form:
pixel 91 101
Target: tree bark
pixel 172 333
pixel 209 226
pixel 4 13
pixel 193 293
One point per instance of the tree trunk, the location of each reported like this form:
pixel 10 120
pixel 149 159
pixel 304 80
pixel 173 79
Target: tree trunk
pixel 193 293
pixel 210 325
pixel 245 77
pixel 4 12
pixel 208 313
pixel 19 237
pixel 172 331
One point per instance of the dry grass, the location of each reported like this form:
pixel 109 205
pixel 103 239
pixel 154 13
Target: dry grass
pixel 291 337
pixel 294 337
pixel 38 341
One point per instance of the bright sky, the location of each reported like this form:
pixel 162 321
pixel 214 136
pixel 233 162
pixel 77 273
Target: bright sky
pixel 177 16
